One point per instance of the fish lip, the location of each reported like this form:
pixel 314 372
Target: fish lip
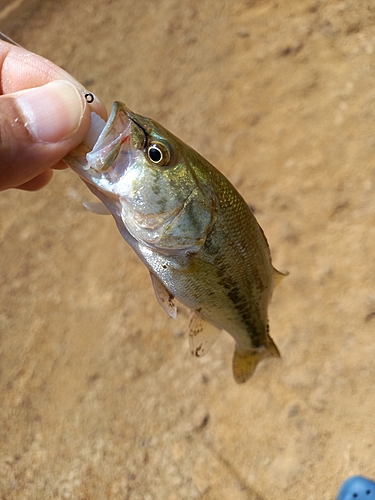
pixel 103 142
pixel 107 145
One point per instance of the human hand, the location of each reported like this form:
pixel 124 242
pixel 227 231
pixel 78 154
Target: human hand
pixel 43 116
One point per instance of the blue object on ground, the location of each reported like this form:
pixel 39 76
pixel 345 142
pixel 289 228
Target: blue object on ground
pixel 357 488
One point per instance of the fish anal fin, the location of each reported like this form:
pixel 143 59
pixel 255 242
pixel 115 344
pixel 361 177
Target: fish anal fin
pixel 164 297
pixel 245 361
pixel 278 276
pixel 202 335
pixel 96 207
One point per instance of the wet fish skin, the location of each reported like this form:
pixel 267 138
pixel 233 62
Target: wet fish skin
pixel 191 228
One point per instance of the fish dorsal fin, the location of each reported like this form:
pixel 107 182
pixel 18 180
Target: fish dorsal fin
pixel 201 335
pixel 165 298
pixel 96 207
pixel 278 276
pixel 245 361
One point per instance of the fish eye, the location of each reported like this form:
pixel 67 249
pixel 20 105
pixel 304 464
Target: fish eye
pixel 159 153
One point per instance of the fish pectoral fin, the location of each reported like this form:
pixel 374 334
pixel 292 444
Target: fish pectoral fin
pixel 164 297
pixel 278 276
pixel 245 361
pixel 96 207
pixel 201 335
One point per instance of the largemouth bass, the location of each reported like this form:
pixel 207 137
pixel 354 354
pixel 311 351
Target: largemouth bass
pixel 190 227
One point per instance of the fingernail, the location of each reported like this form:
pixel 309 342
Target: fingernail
pixel 52 112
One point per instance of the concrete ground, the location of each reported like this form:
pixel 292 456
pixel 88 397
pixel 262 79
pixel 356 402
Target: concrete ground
pixel 99 396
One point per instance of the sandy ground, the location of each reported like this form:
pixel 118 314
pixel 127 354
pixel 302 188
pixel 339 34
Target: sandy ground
pixel 99 396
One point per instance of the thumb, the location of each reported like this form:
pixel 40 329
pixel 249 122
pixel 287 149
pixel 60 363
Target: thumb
pixel 38 127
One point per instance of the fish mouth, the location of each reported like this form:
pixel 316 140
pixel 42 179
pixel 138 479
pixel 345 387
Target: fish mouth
pixel 103 142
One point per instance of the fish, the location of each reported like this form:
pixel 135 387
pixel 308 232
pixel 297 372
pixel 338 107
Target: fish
pixel 187 223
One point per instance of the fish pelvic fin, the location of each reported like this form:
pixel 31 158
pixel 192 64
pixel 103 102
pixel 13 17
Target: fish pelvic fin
pixel 278 276
pixel 245 361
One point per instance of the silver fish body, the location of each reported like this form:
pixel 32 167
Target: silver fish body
pixel 190 227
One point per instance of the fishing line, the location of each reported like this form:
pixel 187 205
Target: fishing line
pixel 9 40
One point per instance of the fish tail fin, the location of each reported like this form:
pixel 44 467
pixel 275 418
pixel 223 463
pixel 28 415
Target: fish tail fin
pixel 245 361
